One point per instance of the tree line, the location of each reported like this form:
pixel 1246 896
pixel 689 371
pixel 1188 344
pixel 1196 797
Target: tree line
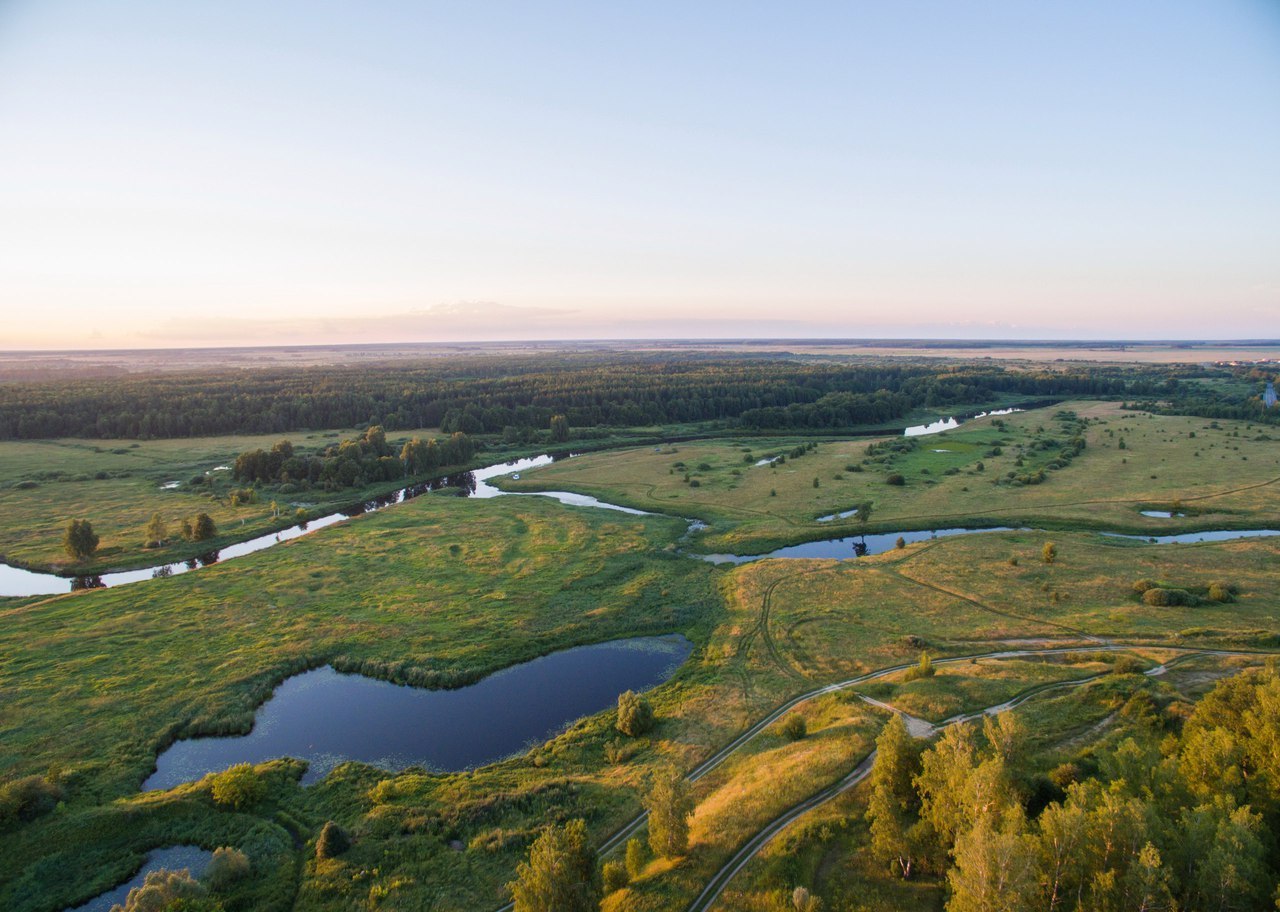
pixel 511 396
pixel 350 463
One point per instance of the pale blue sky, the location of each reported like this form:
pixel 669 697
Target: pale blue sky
pixel 176 172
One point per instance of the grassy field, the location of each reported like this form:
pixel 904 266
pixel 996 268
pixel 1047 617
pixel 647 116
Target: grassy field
pixel 1221 474
pixel 441 590
pixel 118 484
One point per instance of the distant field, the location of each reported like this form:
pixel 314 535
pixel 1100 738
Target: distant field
pixel 1226 475
pixel 1115 353
pixel 43 484
pixel 442 590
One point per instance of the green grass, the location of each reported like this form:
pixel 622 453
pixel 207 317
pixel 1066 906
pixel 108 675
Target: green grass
pixel 441 590
pixel 1227 477
pixel 117 485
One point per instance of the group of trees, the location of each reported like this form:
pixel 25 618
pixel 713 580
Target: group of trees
pixel 1166 821
pixel 561 873
pixel 518 396
pixel 351 463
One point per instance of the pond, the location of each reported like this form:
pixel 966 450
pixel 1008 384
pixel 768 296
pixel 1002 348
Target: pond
pixel 326 717
pixel 950 424
pixel 174 858
pixel 842 515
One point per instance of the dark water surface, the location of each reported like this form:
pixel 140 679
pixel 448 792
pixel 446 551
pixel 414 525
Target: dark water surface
pixel 174 858
pixel 326 717
pixel 849 547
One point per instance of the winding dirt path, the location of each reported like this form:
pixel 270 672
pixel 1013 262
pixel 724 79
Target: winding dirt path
pixel 753 846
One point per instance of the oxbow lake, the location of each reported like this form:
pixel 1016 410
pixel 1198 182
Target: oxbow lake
pixel 326 717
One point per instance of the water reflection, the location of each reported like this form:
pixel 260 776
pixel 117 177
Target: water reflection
pixel 326 717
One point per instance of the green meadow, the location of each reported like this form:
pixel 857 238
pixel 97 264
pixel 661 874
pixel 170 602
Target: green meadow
pixel 988 472
pixel 441 591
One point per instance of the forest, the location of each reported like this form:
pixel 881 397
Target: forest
pixel 514 395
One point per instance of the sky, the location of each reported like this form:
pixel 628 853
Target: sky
pixel 253 173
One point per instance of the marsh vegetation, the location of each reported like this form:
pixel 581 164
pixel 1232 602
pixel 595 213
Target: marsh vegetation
pixel 782 700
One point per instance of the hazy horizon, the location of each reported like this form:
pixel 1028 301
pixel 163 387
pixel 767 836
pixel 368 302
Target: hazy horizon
pixel 177 176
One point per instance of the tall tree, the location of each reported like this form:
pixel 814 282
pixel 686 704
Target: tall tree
pixel 79 539
pixel 892 810
pixel 157 531
pixel 995 868
pixel 559 428
pixel 560 875
pixel 670 805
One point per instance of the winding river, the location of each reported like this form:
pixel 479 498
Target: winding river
pixel 16 581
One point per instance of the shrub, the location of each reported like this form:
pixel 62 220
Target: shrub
pixel 615 877
pixel 239 787
pixel 618 751
pixel 1167 597
pixel 636 858
pixel 803 901
pixel 1049 552
pixel 794 728
pixel 1221 592
pixel 895 479
pixel 1142 585
pixel 165 889
pixel 226 867
pixel 1127 665
pixel 332 842
pixel 635 715
pixel 1064 774
pixel 923 669
pixel 900 543
pixel 203 528
pixel 27 798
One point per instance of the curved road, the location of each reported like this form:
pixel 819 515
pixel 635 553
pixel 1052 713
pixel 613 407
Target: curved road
pixel 753 846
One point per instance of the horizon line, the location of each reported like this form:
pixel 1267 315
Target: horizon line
pixel 967 342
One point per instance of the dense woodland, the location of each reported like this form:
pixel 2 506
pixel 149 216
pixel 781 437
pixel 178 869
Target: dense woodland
pixel 513 395
pixel 1182 816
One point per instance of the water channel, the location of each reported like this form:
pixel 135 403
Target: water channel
pixel 173 858
pixel 15 581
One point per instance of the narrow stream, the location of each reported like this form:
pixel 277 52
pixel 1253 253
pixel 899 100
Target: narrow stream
pixel 15 581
